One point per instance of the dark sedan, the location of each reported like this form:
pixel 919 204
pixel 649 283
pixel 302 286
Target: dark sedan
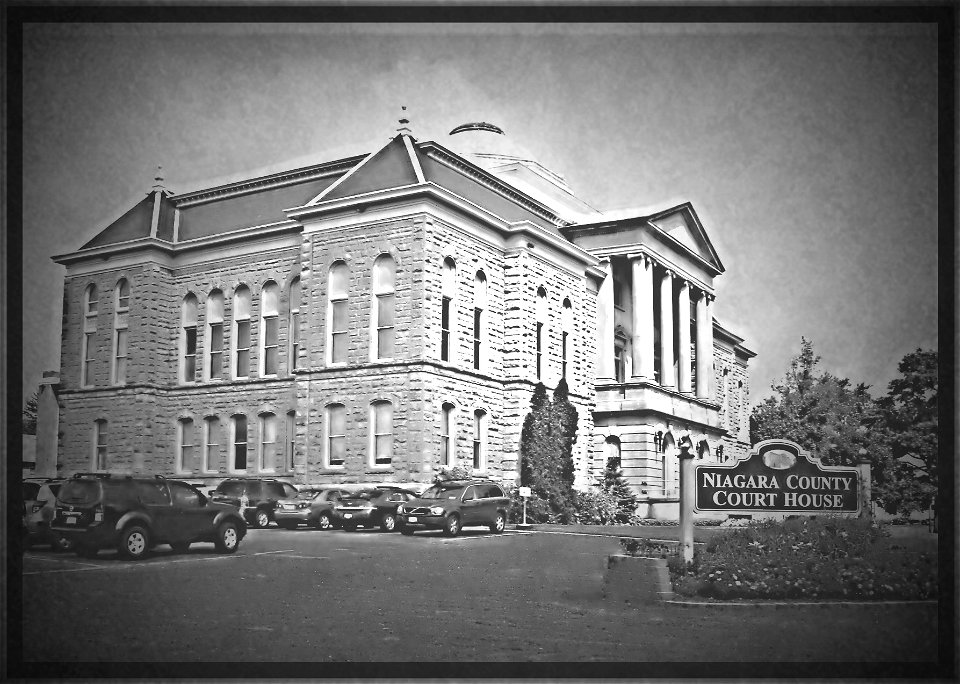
pixel 313 506
pixel 372 507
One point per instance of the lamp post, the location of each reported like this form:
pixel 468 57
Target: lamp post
pixel 687 491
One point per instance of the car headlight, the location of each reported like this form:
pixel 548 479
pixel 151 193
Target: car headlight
pixel 436 510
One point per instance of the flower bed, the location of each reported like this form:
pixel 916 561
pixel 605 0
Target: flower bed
pixel 823 558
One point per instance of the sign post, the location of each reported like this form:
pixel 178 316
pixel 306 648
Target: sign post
pixel 687 496
pixel 524 493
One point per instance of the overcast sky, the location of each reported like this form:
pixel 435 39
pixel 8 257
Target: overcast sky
pixel 809 151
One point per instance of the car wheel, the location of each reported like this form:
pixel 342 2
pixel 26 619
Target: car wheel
pixel 388 523
pixel 262 519
pixel 61 543
pixel 324 522
pixel 134 542
pixel 406 530
pixel 498 523
pixel 451 526
pixel 228 537
pixel 180 547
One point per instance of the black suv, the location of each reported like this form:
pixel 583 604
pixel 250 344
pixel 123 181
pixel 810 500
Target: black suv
pixel 455 504
pixel 133 514
pixel 256 497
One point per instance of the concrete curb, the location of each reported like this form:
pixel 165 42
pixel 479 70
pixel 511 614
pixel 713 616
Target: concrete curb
pixel 795 604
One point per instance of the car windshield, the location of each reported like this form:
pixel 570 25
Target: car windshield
pixel 80 491
pixel 308 495
pixel 363 494
pixel 436 492
pixel 230 488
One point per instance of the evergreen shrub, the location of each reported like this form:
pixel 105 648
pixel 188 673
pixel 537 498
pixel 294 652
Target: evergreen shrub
pixel 829 557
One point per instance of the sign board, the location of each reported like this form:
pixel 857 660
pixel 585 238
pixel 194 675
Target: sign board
pixel 524 491
pixel 777 476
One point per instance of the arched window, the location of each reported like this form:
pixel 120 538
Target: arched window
pixel 291 426
pixel 268 443
pixel 100 445
pixel 211 444
pixel 670 466
pixel 479 332
pixel 384 308
pixel 188 339
pixel 88 352
pixel 448 311
pixel 185 445
pixel 121 309
pixel 447 435
pixel 293 325
pixel 479 440
pixel 541 318
pixel 337 322
pixel 619 356
pixel 336 424
pixel 238 443
pixel 241 332
pixel 269 328
pixel 566 323
pixel 382 435
pixel 214 365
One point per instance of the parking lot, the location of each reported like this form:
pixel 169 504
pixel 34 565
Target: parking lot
pixel 306 596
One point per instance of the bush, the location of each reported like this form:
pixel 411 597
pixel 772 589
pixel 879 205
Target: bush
pixel 806 558
pixel 539 510
pixel 596 507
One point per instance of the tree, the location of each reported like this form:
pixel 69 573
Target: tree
pixel 617 487
pixel 542 447
pixel 30 414
pixel 566 417
pixel 910 480
pixel 822 413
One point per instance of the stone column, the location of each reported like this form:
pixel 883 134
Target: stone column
pixel 704 346
pixel 605 326
pixel 683 338
pixel 667 378
pixel 642 319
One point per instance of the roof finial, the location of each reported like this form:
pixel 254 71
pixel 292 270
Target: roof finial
pixel 159 179
pixel 404 121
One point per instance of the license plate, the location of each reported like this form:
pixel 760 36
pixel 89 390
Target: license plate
pixel 71 521
pixel 411 518
pixel 348 515
pixel 287 507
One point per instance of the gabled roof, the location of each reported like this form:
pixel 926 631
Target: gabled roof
pixel 150 217
pixel 682 225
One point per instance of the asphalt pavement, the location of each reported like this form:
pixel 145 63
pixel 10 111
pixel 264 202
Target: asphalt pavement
pixel 338 603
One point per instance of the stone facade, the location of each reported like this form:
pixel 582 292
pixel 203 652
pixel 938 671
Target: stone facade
pixel 535 279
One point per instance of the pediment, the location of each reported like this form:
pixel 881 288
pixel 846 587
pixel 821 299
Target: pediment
pixel 682 225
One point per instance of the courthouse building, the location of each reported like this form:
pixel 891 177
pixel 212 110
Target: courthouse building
pixel 370 319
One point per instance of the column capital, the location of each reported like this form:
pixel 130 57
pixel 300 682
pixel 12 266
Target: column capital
pixel 668 273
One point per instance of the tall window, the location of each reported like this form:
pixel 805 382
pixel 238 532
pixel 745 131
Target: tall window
pixel 214 365
pixel 619 358
pixel 238 449
pixel 185 442
pixel 693 343
pixel 90 306
pixel 188 339
pixel 337 316
pixel 479 304
pixel 241 332
pixel 566 322
pixel 268 442
pixel 336 435
pixel 611 449
pixel 269 328
pixel 384 307
pixel 121 307
pixel 382 414
pixel 448 310
pixel 293 325
pixel 446 435
pixel 541 316
pixel 100 445
pixel 479 440
pixel 291 439
pixel 211 445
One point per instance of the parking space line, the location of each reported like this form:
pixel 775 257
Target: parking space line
pixel 149 564
pixel 307 557
pixel 58 560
